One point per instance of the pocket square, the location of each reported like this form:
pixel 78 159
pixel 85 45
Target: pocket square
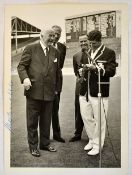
pixel 55 60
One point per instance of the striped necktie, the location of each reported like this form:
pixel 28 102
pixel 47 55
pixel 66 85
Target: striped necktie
pixel 47 51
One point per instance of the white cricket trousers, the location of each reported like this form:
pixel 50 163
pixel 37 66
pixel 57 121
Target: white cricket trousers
pixel 89 112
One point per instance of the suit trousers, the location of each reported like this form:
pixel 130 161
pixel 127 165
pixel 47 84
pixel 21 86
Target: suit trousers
pixel 55 116
pixel 78 118
pixel 38 112
pixel 89 112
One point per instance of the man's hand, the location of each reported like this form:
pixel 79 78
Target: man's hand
pixel 91 67
pixel 80 71
pixel 101 66
pixel 27 83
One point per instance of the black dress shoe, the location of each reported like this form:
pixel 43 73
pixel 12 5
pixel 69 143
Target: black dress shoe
pixel 75 138
pixel 48 148
pixel 59 139
pixel 35 152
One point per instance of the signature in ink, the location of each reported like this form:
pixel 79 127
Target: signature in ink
pixel 7 124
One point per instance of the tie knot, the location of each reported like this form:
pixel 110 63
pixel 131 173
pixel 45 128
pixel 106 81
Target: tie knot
pixel 55 45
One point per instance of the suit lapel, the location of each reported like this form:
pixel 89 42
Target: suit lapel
pixel 58 46
pixel 99 53
pixel 41 54
pixel 79 57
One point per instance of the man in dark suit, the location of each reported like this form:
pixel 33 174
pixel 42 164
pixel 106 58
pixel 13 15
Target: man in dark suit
pixel 103 60
pixel 55 112
pixel 39 72
pixel 78 59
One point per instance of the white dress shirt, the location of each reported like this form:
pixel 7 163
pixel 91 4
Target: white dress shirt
pixel 43 47
pixel 55 45
pixel 93 54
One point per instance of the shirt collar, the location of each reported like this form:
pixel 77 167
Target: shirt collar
pixel 43 46
pixel 97 49
pixel 93 54
pixel 55 45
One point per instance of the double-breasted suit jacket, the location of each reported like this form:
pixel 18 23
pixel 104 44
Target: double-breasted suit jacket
pixel 43 71
pixel 62 51
pixel 108 57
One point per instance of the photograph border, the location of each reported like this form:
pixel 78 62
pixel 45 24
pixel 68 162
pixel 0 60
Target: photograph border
pixel 124 96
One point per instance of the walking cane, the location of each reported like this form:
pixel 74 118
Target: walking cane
pixel 99 117
pixel 99 109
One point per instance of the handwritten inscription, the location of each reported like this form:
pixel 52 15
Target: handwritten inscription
pixel 7 124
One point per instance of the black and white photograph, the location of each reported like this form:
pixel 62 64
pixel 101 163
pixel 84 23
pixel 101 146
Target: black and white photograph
pixel 65 103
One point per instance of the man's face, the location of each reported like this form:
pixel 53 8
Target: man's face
pixel 57 34
pixel 48 37
pixel 83 41
pixel 94 44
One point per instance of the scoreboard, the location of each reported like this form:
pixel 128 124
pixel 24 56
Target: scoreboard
pixel 104 22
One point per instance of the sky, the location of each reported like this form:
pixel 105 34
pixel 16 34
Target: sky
pixel 46 15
